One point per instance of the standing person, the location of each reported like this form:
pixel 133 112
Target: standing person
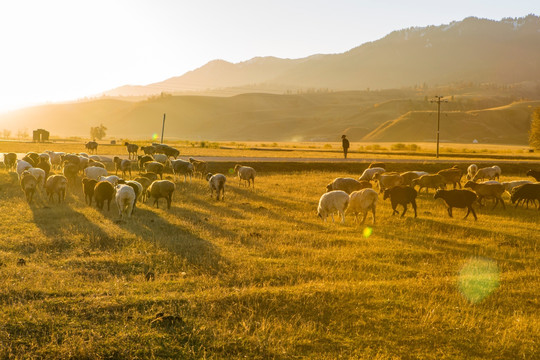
pixel 345 144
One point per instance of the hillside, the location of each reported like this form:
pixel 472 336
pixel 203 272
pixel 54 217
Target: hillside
pixel 391 115
pixel 505 124
pixel 471 50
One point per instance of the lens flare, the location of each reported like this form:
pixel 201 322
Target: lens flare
pixel 154 136
pixel 478 278
pixel 231 171
pixel 367 232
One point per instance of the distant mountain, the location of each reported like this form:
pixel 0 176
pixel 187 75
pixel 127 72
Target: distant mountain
pixel 489 114
pixel 471 50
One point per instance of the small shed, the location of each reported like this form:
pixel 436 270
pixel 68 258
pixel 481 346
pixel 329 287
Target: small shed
pixel 41 135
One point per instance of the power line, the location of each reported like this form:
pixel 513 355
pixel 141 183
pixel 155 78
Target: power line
pixel 438 99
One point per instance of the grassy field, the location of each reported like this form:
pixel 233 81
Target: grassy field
pixel 294 150
pixel 259 276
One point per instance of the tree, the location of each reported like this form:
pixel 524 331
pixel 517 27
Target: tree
pixel 22 133
pixel 98 132
pixel 6 133
pixel 534 133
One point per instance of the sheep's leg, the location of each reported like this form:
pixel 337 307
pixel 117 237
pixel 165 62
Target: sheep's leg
pixel 342 216
pixel 169 200
pixel 404 210
pixel 373 211
pixel 364 217
pixel 414 207
pixel 450 211
pixel 474 214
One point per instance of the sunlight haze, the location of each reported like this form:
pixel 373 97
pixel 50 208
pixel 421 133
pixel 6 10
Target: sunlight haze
pixel 67 50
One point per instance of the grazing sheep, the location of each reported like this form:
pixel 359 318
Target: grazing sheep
pixel 92 146
pixel 161 189
pixel 245 173
pixel 171 152
pixel 452 176
pixel 148 150
pixel 490 173
pixel 331 202
pixel 361 202
pixel 145 183
pixel 526 193
pixel 155 167
pixel 104 159
pixel 132 150
pixel 143 159
pixel 138 188
pixel 88 189
pixel 535 174
pixel 471 171
pixel 125 200
pixel 71 159
pixel 95 163
pixel 83 162
pixel 487 191
pixel 182 167
pixel 217 183
pixel 56 184
pixel 387 180
pixel 95 172
pixel 401 195
pixel 122 164
pixel 32 158
pixel 22 166
pixel 113 179
pixel 434 181
pixel 199 167
pixel 409 176
pixel 369 173
pixel 459 199
pixel 70 171
pixel 104 191
pixel 509 185
pixel 161 158
pixel 44 165
pixel 55 158
pixel 348 185
pixel 39 174
pixel 10 160
pixel 150 176
pixel 84 155
pixel 28 185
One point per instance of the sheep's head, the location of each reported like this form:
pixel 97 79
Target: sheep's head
pixel 236 167
pixel 469 184
pixel 329 187
pixel 438 194
pixel 208 176
pixel 386 194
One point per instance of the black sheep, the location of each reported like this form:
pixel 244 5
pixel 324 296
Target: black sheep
pixel 103 191
pixel 457 198
pixel 526 192
pixel 401 195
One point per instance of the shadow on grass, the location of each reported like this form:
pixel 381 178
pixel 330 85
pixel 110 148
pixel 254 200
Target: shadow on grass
pixel 198 252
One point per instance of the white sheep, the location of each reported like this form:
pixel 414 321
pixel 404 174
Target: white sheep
pixel 369 173
pixel 509 185
pixel 217 183
pixel 39 174
pixel 332 201
pixel 125 200
pixel 55 158
pixel 94 172
pixel 245 173
pixel 471 171
pixel 113 179
pixel 488 173
pixel 22 166
pixel 361 202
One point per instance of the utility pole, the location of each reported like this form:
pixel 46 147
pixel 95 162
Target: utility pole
pixel 438 100
pixel 163 129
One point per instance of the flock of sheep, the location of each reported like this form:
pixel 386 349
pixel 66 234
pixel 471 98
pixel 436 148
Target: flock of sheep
pixel 35 174
pixel 359 197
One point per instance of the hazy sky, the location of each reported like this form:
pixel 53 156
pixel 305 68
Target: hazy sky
pixel 54 50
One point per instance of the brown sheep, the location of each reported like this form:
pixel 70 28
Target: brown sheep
pixel 348 185
pixel 28 185
pixel 199 167
pixel 88 188
pixel 488 191
pixel 132 150
pixel 161 189
pixel 459 199
pixel 123 165
pixel 103 191
pixel 155 167
pixel 452 176
pixel 56 184
pixel 434 181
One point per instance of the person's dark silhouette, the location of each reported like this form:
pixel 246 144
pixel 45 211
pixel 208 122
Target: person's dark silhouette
pixel 345 144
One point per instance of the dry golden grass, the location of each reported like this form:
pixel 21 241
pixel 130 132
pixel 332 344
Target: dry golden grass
pixel 259 276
